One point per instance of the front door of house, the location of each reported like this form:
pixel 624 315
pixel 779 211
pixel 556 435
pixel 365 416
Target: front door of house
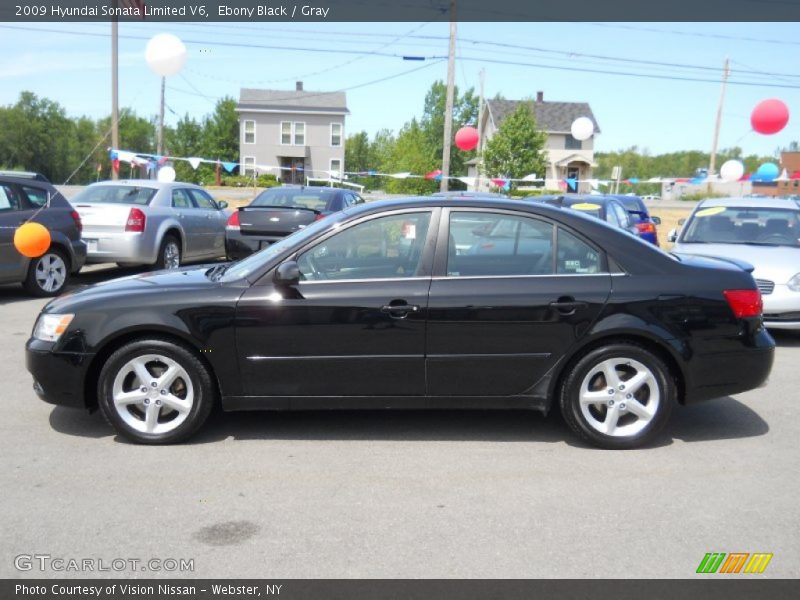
pixel 293 170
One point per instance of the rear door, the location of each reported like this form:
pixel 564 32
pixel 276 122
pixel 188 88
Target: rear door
pixel 14 211
pixel 193 222
pixel 510 294
pixel 215 219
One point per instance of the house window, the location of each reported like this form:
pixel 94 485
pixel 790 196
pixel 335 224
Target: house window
pixel 336 134
pixel 249 132
pixel 248 165
pixel 336 168
pixel 299 134
pixel 572 144
pixel 286 133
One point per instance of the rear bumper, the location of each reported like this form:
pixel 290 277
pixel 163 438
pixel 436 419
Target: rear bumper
pixel 58 378
pixel 238 246
pixel 124 247
pixel 78 255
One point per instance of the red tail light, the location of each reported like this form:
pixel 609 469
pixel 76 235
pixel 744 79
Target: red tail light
pixel 319 217
pixel 136 221
pixel 646 227
pixel 77 218
pixel 744 303
pixel 233 221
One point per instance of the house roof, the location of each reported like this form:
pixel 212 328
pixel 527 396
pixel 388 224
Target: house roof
pixel 291 100
pixel 551 117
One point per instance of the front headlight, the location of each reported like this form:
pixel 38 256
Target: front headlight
pixel 794 283
pixel 49 327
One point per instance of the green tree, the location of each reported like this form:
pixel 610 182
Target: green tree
pixel 465 112
pixel 221 132
pixel 517 148
pixel 358 152
pixel 411 153
pixel 186 140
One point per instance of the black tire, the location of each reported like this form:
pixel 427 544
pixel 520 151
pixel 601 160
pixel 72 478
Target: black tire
pixel 570 393
pixel 202 383
pixel 33 286
pixel 163 260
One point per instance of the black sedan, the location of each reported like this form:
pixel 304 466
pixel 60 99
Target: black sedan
pixel 414 303
pixel 280 211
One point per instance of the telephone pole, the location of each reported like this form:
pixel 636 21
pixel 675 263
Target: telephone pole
pixel 448 110
pixel 481 108
pixel 712 166
pixel 114 89
pixel 160 138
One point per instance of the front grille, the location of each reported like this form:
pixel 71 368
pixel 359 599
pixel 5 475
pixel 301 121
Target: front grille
pixel 765 286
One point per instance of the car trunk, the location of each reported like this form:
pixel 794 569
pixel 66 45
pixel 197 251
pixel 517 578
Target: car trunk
pixel 101 217
pixel 274 220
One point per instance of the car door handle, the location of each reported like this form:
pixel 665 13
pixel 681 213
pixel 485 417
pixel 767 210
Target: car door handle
pixel 567 306
pixel 400 311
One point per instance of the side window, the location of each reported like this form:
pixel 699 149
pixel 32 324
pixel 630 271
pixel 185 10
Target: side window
pixel 357 199
pixel 9 200
pixel 575 257
pixel 181 199
pixel 381 248
pixel 36 196
pixel 203 199
pixel 496 244
pixel 612 218
pixel 623 216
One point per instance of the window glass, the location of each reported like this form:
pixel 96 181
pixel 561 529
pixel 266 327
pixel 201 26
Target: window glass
pixel 248 165
pixel 575 256
pixel 36 196
pixel 572 143
pixel 622 216
pixel 8 198
pixel 286 132
pixel 495 244
pixel 752 225
pixel 203 199
pixel 336 168
pixel 115 194
pixel 299 134
pixel 611 216
pixel 381 248
pixel 181 199
pixel 336 134
pixel 249 132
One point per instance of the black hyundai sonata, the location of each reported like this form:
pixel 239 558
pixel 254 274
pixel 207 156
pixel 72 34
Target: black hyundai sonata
pixel 414 303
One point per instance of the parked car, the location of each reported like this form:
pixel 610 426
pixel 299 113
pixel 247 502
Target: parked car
pixel 23 200
pixel 375 307
pixel 764 232
pixel 651 198
pixel 606 208
pixel 281 211
pixel 644 223
pixel 147 222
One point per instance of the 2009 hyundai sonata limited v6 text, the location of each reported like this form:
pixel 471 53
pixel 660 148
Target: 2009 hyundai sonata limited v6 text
pixel 414 303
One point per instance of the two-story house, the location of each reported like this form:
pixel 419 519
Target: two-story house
pixel 302 132
pixel 567 157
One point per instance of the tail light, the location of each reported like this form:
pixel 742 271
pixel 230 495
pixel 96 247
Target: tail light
pixel 744 303
pixel 646 227
pixel 136 221
pixel 233 221
pixel 77 218
pixel 319 217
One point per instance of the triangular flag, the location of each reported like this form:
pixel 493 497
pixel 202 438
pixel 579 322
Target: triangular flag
pixel 229 166
pixel 434 175
pixel 795 176
pixel 531 177
pixel 572 182
pixel 400 175
pixel 784 176
pixel 468 181
pixel 194 161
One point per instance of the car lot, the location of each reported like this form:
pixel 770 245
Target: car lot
pixel 399 494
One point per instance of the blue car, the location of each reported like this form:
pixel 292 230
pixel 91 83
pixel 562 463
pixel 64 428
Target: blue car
pixel 645 224
pixel 605 208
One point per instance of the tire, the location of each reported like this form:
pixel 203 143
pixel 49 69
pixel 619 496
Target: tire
pixel 589 407
pixel 169 249
pixel 149 412
pixel 49 274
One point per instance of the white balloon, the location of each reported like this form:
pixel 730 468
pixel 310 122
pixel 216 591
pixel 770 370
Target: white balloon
pixel 731 170
pixel 165 54
pixel 166 174
pixel 582 128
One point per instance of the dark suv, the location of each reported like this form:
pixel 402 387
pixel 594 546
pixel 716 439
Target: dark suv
pixel 22 200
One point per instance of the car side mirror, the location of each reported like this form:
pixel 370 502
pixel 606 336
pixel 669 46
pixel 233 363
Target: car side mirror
pixel 288 273
pixel 673 236
pixel 656 220
pixel 222 205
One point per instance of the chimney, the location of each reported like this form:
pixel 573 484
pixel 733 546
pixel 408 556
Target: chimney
pixel 540 96
pixel 298 86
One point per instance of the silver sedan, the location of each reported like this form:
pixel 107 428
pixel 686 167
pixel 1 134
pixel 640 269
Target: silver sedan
pixel 764 232
pixel 148 222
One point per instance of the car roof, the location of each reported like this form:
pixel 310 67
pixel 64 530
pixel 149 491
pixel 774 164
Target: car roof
pixel 570 199
pixel 27 181
pixel 26 175
pixel 766 202
pixel 321 189
pixel 151 183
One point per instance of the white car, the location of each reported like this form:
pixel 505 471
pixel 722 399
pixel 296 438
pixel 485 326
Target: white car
pixel 764 232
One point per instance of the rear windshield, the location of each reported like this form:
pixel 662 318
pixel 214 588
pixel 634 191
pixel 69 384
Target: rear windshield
pixel 295 198
pixel 632 204
pixel 744 225
pixel 116 194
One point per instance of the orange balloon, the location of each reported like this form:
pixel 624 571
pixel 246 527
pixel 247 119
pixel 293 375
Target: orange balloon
pixel 32 239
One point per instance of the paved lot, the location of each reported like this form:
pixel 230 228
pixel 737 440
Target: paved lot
pixel 378 494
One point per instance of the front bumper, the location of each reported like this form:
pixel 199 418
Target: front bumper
pixel 782 308
pixel 121 247
pixel 58 376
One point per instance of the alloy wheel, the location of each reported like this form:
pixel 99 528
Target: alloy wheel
pixel 172 255
pixel 51 272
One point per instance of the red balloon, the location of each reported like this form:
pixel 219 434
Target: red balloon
pixel 769 117
pixel 467 138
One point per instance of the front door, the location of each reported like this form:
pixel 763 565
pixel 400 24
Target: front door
pixel 293 170
pixel 511 293
pixel 354 325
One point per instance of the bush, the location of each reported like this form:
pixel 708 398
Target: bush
pixel 700 196
pixel 262 181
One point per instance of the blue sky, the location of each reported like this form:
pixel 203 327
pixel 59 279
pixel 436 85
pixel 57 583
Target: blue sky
pixel 661 115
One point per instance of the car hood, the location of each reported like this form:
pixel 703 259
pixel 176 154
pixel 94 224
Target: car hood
pixel 775 263
pixel 181 280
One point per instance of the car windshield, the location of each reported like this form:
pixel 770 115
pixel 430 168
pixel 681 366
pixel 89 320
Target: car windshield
pixel 743 225
pixel 295 198
pixel 116 194
pixel 244 268
pixel 632 204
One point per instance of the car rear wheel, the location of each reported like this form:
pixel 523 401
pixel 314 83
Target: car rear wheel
pixel 618 396
pixel 154 391
pixel 169 254
pixel 48 274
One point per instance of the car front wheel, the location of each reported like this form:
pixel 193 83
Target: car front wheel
pixel 618 396
pixel 154 391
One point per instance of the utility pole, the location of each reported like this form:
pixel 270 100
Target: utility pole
pixel 114 89
pixel 448 110
pixel 160 139
pixel 481 108
pixel 712 166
